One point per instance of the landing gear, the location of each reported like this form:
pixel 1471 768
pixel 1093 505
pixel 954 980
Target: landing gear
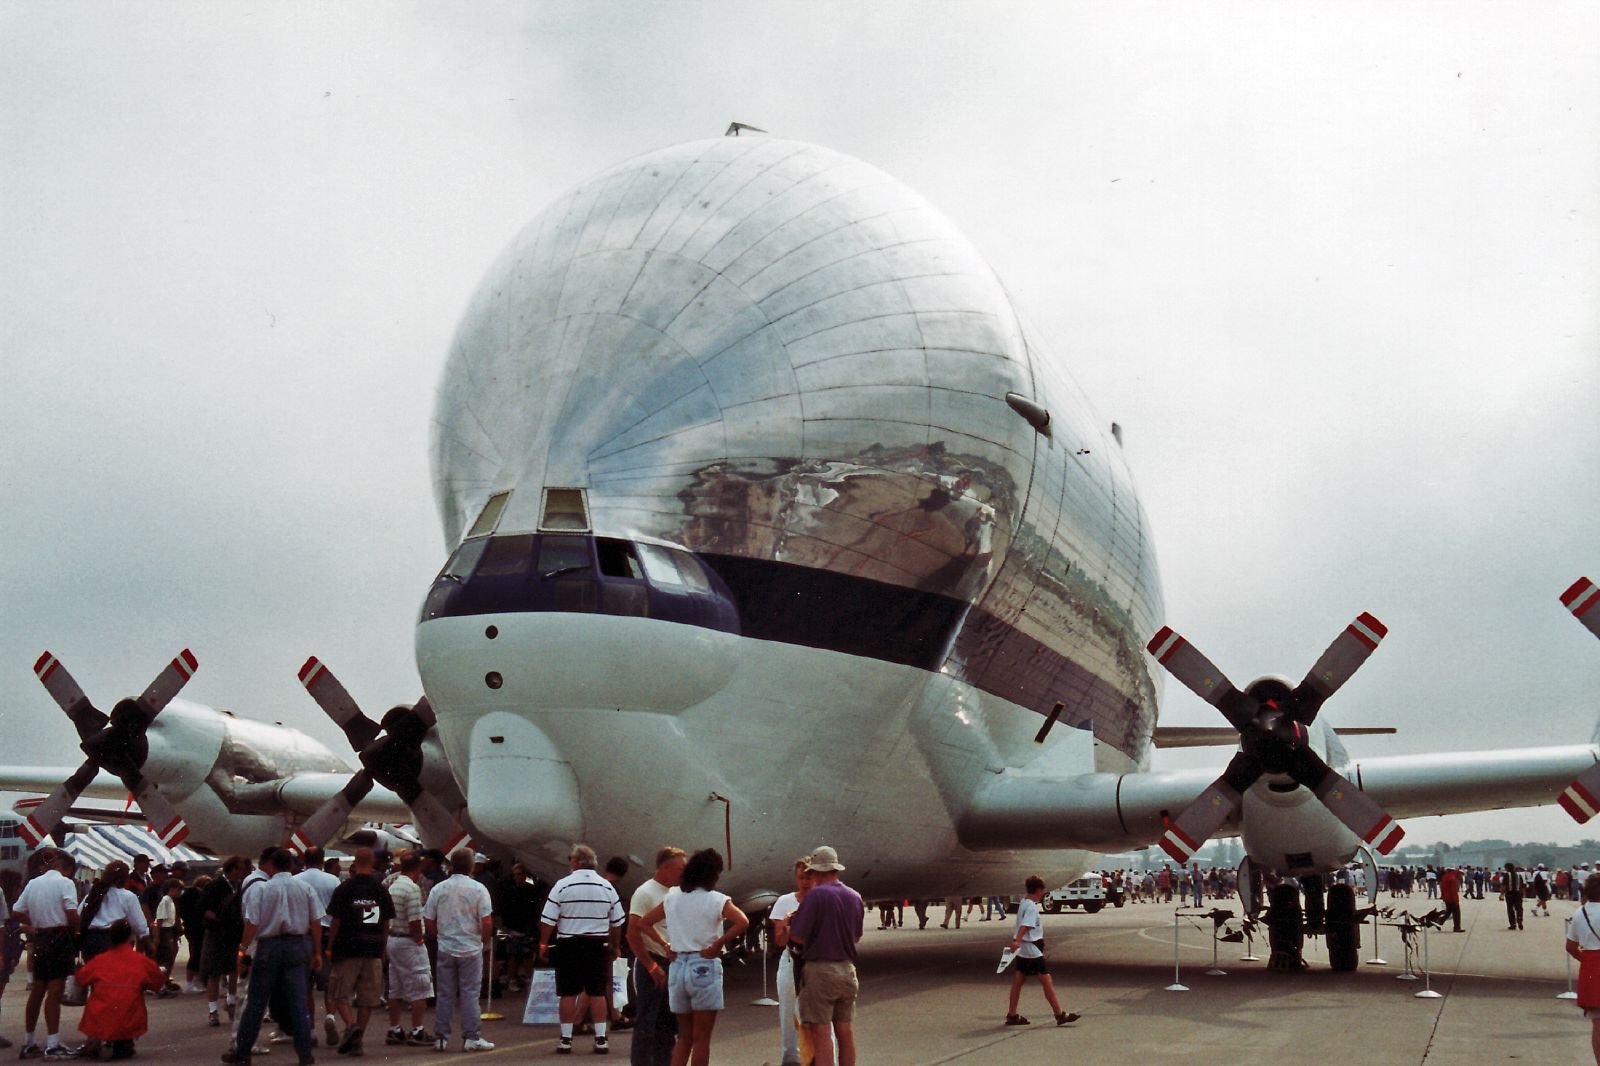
pixel 1284 929
pixel 1343 929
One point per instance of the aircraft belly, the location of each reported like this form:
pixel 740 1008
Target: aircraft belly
pixel 808 746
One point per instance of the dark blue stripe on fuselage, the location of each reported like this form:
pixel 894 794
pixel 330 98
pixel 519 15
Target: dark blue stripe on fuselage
pixel 784 603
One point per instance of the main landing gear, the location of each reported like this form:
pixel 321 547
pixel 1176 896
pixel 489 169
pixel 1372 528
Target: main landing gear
pixel 1330 912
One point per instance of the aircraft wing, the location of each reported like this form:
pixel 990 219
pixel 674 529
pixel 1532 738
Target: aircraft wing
pixel 1112 812
pixel 1413 786
pixel 299 794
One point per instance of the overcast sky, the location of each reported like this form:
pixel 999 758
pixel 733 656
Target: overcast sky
pixel 1334 267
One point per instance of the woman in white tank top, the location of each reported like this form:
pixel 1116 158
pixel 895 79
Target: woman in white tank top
pixel 695 914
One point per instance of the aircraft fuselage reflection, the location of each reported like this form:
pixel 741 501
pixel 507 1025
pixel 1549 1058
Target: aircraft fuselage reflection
pixel 811 561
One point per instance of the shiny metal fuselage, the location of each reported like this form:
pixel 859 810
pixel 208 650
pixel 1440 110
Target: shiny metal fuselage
pixel 783 361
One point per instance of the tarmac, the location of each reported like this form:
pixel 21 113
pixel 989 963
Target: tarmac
pixel 932 996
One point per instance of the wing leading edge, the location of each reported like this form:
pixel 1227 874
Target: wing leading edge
pixel 1112 812
pixel 299 795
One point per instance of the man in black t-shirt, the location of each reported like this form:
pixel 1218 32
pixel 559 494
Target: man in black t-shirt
pixel 519 902
pixel 192 914
pixel 224 925
pixel 358 934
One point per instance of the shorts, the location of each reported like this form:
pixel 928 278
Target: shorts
pixel 519 946
pixel 218 958
pixel 827 992
pixel 1037 967
pixel 583 965
pixel 694 984
pixel 410 977
pixel 361 978
pixel 53 954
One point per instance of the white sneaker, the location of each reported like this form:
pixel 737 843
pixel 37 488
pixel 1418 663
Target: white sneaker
pixel 280 1037
pixel 330 1029
pixel 478 1044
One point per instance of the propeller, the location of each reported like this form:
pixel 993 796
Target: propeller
pixel 1272 721
pixel 114 742
pixel 1582 798
pixel 390 753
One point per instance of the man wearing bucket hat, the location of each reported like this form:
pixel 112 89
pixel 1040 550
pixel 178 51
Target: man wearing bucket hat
pixel 828 925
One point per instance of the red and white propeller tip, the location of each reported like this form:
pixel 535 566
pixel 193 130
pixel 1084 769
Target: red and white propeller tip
pixel 1581 599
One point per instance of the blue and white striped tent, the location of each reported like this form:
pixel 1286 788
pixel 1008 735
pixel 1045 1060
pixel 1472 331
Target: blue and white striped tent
pixel 98 846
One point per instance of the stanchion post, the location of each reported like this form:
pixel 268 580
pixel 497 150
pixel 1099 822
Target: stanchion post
pixel 1215 971
pixel 1177 984
pixel 1376 960
pixel 1249 948
pixel 1569 993
pixel 489 1014
pixel 1427 971
pixel 765 1000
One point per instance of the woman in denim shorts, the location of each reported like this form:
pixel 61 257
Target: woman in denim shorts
pixel 695 914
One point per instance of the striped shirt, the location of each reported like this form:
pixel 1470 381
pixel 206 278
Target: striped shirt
pixel 583 904
pixel 407 899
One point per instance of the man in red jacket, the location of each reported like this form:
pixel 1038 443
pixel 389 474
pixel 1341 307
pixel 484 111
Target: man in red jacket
pixel 116 980
pixel 1450 893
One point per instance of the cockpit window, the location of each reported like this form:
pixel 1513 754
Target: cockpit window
pixel 563 555
pixel 490 515
pixel 658 567
pixel 465 558
pixel 617 559
pixel 690 570
pixel 670 568
pixel 506 557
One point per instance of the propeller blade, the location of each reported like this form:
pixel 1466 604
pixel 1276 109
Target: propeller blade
pixel 437 826
pixel 1357 810
pixel 1580 799
pixel 86 719
pixel 1200 676
pixel 328 819
pixel 1193 827
pixel 337 704
pixel 165 822
pixel 1342 659
pixel 168 683
pixel 1581 599
pixel 38 826
pixel 424 712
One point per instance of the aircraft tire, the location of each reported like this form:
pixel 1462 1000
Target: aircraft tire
pixel 1284 931
pixel 1343 930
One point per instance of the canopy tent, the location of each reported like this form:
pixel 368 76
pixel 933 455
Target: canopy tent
pixel 97 846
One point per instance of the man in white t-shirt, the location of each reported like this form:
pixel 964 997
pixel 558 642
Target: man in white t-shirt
pixel 48 909
pixel 788 1000
pixel 1028 945
pixel 460 914
pixel 322 884
pixel 655 1030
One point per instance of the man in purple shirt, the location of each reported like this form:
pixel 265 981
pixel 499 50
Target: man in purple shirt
pixel 828 925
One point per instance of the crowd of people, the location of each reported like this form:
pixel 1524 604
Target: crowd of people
pixel 395 932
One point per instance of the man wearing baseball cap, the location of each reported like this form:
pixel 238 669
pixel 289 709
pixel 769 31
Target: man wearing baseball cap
pixel 828 925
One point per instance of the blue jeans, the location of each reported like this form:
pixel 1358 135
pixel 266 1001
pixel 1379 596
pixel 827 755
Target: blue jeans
pixel 655 1030
pixel 460 978
pixel 282 966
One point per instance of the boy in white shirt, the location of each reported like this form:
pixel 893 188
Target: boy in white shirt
pixel 1028 946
